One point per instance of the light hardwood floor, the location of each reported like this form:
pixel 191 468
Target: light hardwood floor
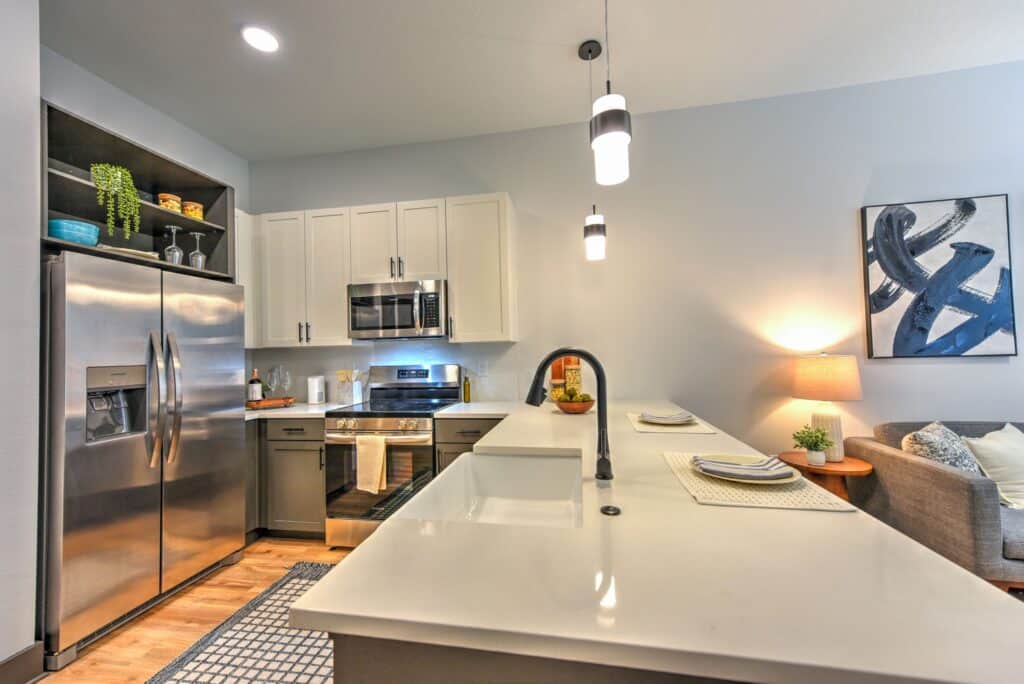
pixel 139 649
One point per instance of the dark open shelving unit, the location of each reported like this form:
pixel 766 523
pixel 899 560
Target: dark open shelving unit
pixel 71 144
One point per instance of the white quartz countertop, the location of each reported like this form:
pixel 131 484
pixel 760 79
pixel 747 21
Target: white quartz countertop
pixel 294 411
pixel 479 409
pixel 749 594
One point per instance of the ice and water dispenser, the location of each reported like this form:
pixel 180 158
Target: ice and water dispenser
pixel 115 401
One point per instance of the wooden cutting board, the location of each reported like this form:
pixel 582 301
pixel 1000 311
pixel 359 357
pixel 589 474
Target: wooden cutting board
pixel 277 402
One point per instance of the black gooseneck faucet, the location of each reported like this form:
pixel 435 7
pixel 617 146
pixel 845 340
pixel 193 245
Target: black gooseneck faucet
pixel 537 393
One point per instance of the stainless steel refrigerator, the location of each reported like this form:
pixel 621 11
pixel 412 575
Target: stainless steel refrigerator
pixel 144 427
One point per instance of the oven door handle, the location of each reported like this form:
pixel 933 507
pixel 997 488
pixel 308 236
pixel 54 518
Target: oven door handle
pixel 408 439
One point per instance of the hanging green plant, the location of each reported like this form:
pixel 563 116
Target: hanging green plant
pixel 115 189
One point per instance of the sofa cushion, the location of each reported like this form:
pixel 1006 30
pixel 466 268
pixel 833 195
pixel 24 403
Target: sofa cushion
pixel 1013 532
pixel 892 434
pixel 1001 455
pixel 937 442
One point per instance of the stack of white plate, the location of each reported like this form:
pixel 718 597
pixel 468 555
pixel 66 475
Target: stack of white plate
pixel 680 418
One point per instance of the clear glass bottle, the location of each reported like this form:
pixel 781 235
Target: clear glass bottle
pixel 573 378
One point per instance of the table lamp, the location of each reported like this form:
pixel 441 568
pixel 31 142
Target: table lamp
pixel 827 378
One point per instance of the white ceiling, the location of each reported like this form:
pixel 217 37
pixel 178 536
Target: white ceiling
pixel 365 73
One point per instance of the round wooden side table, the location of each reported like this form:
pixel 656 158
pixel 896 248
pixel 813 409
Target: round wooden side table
pixel 831 476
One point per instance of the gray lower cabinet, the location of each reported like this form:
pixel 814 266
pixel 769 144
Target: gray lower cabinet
pixel 446 453
pixel 253 496
pixel 454 436
pixel 294 476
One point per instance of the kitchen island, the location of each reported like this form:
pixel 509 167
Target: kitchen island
pixel 540 586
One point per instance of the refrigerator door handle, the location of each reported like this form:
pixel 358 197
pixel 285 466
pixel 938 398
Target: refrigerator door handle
pixel 175 391
pixel 156 437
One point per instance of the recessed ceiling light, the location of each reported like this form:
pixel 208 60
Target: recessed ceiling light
pixel 261 39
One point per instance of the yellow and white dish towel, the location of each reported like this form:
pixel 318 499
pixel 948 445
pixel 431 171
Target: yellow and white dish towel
pixel 371 463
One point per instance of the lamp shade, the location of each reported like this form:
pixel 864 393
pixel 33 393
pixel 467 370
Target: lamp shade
pixel 594 233
pixel 610 133
pixel 825 377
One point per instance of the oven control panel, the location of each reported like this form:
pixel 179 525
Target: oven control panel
pixel 381 424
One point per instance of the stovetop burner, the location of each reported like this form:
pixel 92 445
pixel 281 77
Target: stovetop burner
pixel 382 408
pixel 411 391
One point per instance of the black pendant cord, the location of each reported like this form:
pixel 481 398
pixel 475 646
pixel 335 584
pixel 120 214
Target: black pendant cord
pixel 590 99
pixel 607 53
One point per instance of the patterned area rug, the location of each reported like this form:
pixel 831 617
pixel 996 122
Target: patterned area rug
pixel 256 644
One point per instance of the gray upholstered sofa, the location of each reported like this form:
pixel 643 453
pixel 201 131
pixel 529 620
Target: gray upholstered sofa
pixel 955 513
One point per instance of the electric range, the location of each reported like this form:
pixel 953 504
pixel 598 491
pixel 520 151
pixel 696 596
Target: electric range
pixel 399 413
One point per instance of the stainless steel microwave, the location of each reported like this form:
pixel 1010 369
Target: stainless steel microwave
pixel 398 310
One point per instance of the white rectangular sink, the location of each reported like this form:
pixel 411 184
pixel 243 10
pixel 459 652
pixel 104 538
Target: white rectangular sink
pixel 540 491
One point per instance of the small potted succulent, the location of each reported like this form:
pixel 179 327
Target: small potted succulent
pixel 815 440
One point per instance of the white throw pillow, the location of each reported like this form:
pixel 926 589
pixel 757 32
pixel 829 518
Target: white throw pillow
pixel 1001 455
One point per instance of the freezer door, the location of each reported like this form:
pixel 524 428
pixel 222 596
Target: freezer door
pixel 104 390
pixel 204 458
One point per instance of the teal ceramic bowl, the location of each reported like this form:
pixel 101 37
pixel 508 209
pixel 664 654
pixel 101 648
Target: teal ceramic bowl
pixel 74 231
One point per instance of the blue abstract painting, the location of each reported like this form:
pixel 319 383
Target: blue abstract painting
pixel 938 278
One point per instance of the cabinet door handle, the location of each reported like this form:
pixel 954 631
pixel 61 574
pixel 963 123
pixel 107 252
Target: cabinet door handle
pixel 401 267
pixel 392 260
pixel 321 458
pixel 468 432
pixel 307 331
pixel 451 328
pixel 300 332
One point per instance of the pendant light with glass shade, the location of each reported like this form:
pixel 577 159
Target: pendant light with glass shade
pixel 610 126
pixel 594 234
pixel 594 230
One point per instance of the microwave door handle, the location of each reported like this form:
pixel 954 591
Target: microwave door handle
pixel 175 376
pixel 156 438
pixel 416 311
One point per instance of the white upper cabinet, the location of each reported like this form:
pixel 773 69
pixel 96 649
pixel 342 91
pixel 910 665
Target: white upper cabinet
pixel 481 286
pixel 284 278
pixel 305 277
pixel 327 276
pixel 247 273
pixel 421 240
pixel 374 248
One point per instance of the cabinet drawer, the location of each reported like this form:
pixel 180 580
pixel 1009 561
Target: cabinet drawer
pixel 295 428
pixel 463 430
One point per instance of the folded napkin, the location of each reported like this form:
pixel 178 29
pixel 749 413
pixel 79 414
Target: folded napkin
pixel 680 418
pixel 770 468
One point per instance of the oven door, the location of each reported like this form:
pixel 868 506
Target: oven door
pixel 397 310
pixel 353 514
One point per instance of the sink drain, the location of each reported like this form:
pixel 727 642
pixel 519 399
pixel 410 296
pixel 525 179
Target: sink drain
pixel 611 510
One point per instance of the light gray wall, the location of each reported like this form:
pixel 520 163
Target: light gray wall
pixel 71 87
pixel 19 311
pixel 735 241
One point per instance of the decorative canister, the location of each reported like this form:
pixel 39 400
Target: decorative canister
pixel 573 378
pixel 169 201
pixel 193 209
pixel 557 390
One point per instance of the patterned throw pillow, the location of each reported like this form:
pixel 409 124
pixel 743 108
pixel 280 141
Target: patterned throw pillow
pixel 938 443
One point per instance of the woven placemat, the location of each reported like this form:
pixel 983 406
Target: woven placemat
pixel 801 495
